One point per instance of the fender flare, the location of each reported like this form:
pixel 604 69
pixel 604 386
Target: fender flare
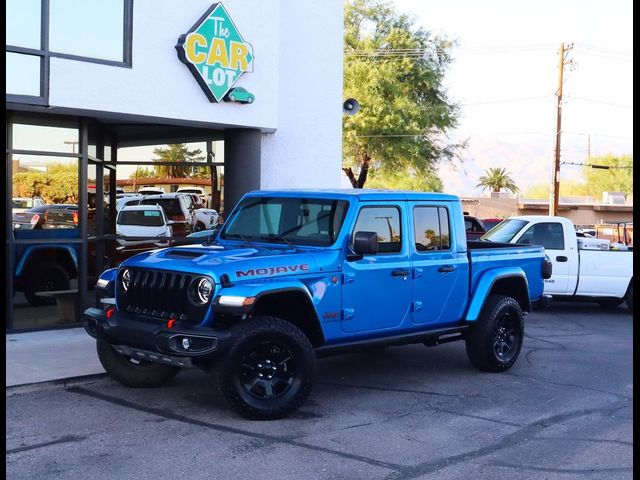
pixel 485 286
pixel 34 249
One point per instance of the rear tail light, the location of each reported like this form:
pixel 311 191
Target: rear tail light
pixel 35 218
pixel 46 216
pixel 75 218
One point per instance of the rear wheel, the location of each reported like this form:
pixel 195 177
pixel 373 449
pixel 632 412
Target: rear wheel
pixel 269 370
pixel 49 277
pixel 495 340
pixel 132 372
pixel 629 298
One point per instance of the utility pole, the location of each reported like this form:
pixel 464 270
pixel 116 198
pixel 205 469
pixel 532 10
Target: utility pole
pixel 555 191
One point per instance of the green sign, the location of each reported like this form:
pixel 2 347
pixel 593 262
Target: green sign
pixel 215 53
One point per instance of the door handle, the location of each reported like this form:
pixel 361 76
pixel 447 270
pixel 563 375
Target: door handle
pixel 446 268
pixel 400 273
pixel 561 259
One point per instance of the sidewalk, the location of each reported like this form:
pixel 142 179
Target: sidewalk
pixel 50 355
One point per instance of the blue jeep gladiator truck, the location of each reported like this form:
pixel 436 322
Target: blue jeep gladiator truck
pixel 297 275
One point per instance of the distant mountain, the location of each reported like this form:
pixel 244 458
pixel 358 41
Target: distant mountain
pixel 529 159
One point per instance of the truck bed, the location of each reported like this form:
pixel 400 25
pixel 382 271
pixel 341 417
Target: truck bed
pixel 485 255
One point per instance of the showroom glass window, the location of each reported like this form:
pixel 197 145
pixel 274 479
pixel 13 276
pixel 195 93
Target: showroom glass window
pixel 97 31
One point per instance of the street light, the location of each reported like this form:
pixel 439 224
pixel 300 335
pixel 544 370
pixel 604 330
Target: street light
pixel 73 143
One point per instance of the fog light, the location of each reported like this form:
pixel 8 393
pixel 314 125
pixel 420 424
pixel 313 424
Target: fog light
pixel 186 343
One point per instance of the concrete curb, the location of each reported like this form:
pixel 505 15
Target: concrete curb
pixel 34 386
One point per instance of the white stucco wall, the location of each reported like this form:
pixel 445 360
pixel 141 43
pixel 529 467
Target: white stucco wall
pixel 297 81
pixel 159 84
pixel 306 150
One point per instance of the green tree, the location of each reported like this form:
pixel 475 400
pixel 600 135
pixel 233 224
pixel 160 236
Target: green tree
pixel 395 71
pixel 497 179
pixel 617 178
pixel 142 172
pixel 58 184
pixel 406 179
pixel 177 153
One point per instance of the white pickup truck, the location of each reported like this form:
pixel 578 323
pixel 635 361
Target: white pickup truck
pixel 583 267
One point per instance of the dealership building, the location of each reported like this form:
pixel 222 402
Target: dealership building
pixel 96 91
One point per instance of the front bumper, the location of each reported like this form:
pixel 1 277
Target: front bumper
pixel 154 341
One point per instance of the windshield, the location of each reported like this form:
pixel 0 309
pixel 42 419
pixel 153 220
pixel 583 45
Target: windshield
pixel 171 206
pixel 300 221
pixel 22 203
pixel 504 231
pixel 143 218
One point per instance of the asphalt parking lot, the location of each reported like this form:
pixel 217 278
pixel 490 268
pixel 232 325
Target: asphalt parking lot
pixel 564 411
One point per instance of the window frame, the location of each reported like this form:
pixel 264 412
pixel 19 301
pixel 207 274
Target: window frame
pixel 437 207
pixel 45 54
pixel 532 227
pixel 355 223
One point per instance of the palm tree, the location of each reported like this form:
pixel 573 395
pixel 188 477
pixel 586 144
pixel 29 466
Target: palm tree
pixel 497 179
pixel 178 153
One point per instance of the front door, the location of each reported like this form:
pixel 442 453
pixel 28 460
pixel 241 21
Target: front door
pixel 551 236
pixel 376 291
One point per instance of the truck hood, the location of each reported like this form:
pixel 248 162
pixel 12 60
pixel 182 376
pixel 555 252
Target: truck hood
pixel 240 263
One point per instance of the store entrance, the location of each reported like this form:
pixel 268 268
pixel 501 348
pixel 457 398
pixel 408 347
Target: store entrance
pixel 87 194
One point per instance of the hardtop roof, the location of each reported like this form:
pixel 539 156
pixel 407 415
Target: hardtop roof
pixel 360 194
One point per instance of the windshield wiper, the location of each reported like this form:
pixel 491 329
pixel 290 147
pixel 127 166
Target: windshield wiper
pixel 271 238
pixel 237 235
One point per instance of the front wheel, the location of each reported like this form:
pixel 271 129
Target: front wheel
pixel 629 298
pixel 132 372
pixel 495 340
pixel 49 277
pixel 269 370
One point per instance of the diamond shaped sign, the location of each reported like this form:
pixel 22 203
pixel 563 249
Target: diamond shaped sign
pixel 215 52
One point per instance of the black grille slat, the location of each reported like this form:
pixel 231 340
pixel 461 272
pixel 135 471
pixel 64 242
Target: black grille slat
pixel 160 294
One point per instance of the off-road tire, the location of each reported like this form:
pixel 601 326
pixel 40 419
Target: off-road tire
pixel 237 372
pixel 48 277
pixel 199 227
pixel 629 297
pixel 131 372
pixel 487 338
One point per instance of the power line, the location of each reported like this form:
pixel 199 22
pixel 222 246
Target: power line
pixel 508 100
pixel 608 50
pixel 571 97
pixel 598 166
pixel 598 135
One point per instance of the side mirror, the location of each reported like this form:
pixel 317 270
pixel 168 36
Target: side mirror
pixel 365 243
pixel 216 230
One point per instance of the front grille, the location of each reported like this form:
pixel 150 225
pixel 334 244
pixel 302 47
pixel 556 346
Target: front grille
pixel 160 295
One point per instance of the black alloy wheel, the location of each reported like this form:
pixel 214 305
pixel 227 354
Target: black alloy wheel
pixel 495 339
pixel 506 337
pixel 267 371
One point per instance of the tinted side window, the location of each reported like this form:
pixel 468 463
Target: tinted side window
pixel 431 226
pixel 549 235
pixel 385 221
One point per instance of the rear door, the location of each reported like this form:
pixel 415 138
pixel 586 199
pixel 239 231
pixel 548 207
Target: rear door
pixel 440 274
pixel 553 237
pixel 376 290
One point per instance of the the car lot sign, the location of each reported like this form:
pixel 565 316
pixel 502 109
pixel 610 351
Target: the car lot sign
pixel 215 52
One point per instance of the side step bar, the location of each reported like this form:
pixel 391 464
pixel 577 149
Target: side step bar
pixel 430 338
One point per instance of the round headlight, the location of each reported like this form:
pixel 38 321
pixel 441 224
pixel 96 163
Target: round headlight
pixel 126 279
pixel 203 290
